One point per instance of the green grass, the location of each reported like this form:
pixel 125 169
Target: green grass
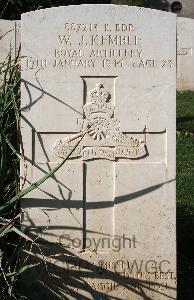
pixel 185 194
pixel 185 111
pixel 11 237
pixel 9 169
pixel 9 128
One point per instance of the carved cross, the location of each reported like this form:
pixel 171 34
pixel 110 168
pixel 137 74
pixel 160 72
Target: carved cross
pixel 100 149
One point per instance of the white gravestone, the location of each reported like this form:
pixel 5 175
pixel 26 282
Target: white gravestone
pixel 185 53
pixel 9 42
pixel 185 8
pixel 108 72
pixel 9 38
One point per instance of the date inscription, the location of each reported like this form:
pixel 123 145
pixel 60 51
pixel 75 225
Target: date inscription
pixel 107 46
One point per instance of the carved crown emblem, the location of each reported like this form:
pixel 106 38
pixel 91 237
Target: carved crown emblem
pixel 99 94
pixel 99 101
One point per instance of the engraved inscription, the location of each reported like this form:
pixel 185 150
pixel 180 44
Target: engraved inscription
pixel 185 51
pixel 108 46
pixel 98 152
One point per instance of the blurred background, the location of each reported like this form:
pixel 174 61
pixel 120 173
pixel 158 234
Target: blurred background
pixel 12 9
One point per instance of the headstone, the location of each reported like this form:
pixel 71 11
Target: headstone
pixel 183 8
pixel 185 52
pixel 6 38
pixel 103 76
pixel 17 36
pixel 9 40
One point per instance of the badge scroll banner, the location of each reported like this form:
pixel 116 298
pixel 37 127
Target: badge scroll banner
pixel 87 153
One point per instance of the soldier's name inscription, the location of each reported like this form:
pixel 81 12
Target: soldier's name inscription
pixel 84 46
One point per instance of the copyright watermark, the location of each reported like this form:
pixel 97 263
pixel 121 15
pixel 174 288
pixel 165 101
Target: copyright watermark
pixel 113 243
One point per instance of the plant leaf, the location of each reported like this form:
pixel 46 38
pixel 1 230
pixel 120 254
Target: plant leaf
pixel 6 228
pixel 41 180
pixel 16 273
pixel 21 233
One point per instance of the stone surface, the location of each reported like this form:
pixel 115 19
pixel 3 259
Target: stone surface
pixel 185 52
pixel 182 8
pixel 9 40
pixel 103 76
pixel 187 10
